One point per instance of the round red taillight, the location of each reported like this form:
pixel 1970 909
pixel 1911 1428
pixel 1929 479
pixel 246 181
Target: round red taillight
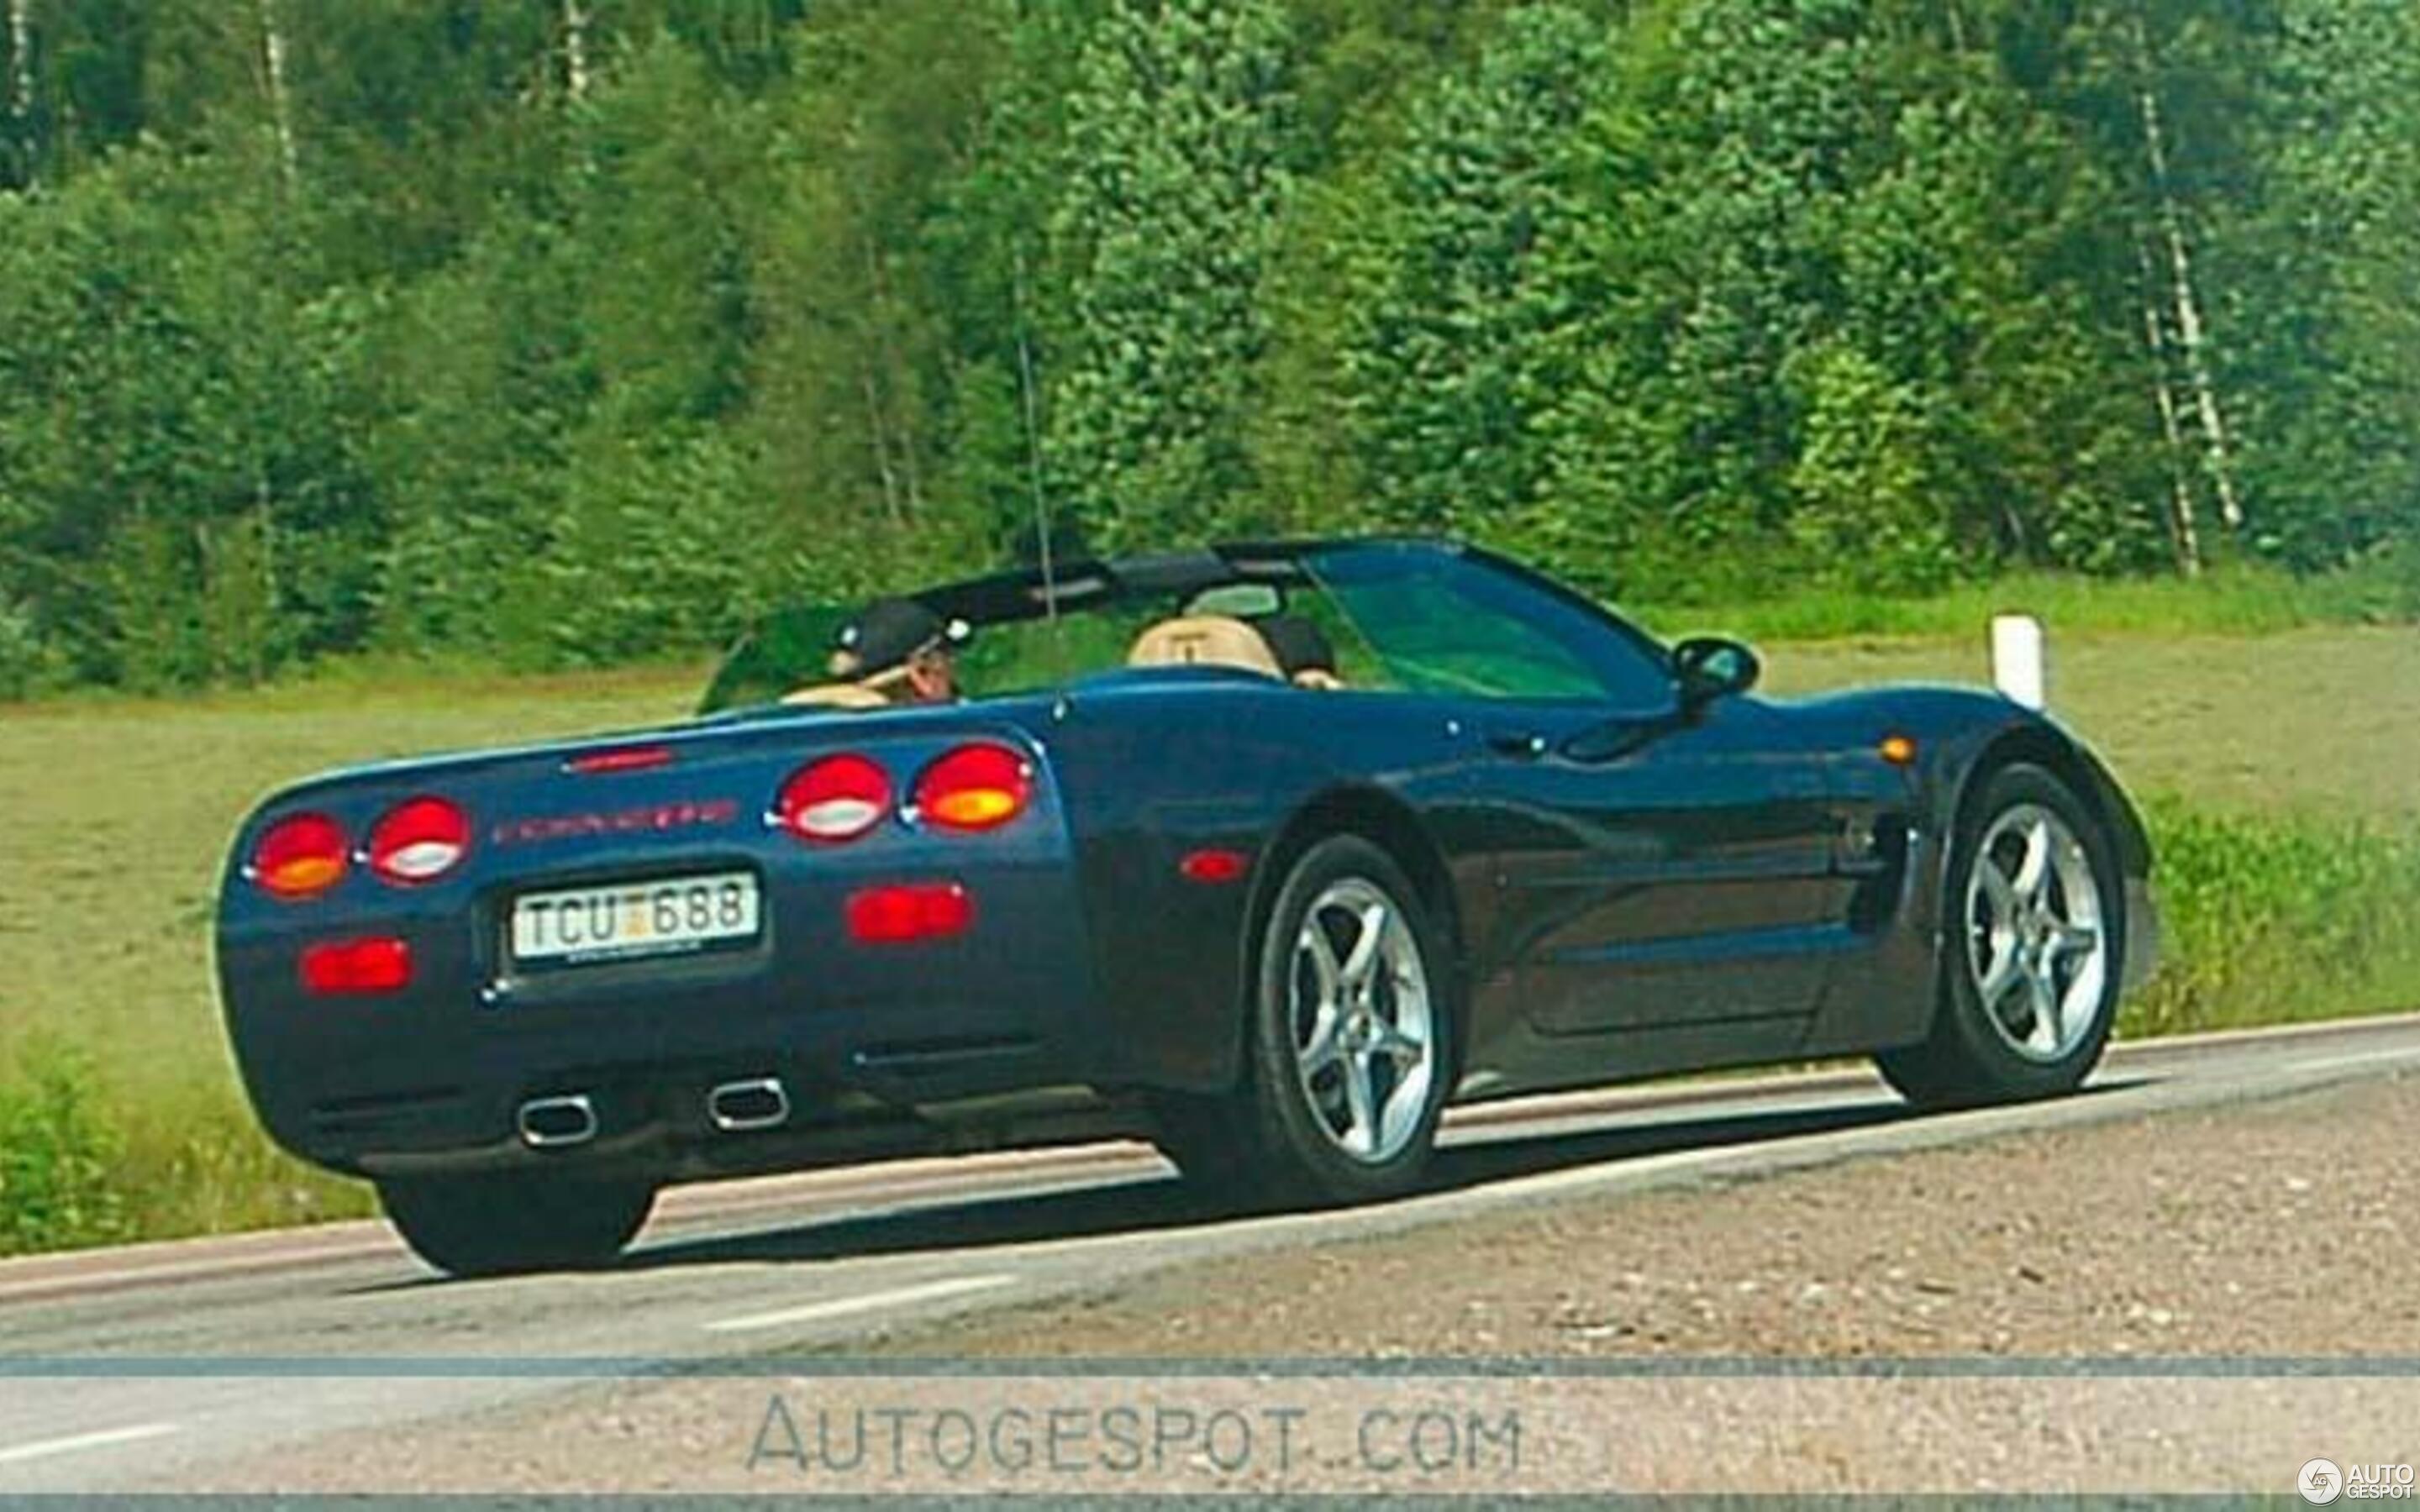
pixel 981 786
pixel 419 841
pixel 299 857
pixel 837 798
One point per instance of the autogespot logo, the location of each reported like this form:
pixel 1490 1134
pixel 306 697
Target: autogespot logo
pixel 2322 1481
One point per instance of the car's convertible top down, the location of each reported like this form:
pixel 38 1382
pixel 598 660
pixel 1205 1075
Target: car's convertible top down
pixel 1163 871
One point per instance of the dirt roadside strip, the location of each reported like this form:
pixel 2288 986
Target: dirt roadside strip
pixel 80 1273
pixel 2224 1271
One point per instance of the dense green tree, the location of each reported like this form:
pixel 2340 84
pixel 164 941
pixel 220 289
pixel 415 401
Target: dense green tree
pixel 574 330
pixel 1462 300
pixel 171 373
pixel 1176 174
pixel 2328 366
pixel 859 364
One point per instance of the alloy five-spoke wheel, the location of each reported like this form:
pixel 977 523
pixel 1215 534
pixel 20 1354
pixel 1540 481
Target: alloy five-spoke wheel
pixel 1363 1030
pixel 2033 949
pixel 2035 942
pixel 1347 1046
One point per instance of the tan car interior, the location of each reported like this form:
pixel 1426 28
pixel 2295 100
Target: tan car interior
pixel 1205 640
pixel 1218 640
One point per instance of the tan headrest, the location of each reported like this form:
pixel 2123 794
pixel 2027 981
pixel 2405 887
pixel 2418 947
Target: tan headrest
pixel 1208 639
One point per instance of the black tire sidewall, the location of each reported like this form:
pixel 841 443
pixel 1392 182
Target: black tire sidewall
pixel 1290 1128
pixel 1993 1066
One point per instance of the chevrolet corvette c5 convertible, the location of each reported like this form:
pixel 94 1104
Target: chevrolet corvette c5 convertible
pixel 1160 872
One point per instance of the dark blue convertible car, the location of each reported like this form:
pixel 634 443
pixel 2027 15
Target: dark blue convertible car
pixel 1161 870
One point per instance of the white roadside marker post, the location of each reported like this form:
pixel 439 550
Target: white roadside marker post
pixel 2019 660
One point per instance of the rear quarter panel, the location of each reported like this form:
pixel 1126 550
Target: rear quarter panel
pixel 1155 770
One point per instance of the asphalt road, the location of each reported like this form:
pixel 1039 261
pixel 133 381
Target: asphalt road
pixel 155 1365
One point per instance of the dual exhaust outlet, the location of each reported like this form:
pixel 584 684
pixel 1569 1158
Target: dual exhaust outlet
pixel 732 1107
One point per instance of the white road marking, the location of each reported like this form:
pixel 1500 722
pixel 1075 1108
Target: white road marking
pixel 869 1301
pixel 107 1438
pixel 2347 1062
pixel 2003 1118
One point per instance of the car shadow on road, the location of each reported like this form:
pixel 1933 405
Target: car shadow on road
pixel 1155 1204
pixel 1138 1205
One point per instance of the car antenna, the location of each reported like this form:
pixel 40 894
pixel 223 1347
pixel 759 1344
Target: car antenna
pixel 1034 475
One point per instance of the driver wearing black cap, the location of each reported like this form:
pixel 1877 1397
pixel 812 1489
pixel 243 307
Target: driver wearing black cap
pixel 902 651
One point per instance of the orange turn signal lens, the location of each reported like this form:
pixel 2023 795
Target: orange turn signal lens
pixel 978 786
pixel 1899 750
pixel 301 857
pixel 974 808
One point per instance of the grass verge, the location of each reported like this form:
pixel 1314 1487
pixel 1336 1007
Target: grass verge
pixel 63 1180
pixel 2279 919
pixel 2239 600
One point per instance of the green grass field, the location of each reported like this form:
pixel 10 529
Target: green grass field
pixel 2319 721
pixel 119 815
pixel 2280 768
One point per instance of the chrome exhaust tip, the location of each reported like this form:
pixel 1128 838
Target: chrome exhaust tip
pixel 557 1123
pixel 737 1108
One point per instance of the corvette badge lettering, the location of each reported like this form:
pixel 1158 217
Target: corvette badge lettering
pixel 655 818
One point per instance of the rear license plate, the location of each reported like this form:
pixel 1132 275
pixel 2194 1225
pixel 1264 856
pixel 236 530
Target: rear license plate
pixel 669 915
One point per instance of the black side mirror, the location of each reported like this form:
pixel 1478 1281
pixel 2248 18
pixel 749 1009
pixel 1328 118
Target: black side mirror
pixel 1710 668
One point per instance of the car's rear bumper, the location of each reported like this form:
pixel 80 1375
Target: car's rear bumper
pixel 866 1042
pixel 843 1094
pixel 654 1123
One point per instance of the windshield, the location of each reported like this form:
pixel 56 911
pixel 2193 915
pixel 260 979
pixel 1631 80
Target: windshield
pixel 1444 624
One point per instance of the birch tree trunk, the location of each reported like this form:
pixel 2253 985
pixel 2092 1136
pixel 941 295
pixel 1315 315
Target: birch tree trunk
pixel 2183 529
pixel 280 116
pixel 575 48
pixel 21 89
pixel 2191 337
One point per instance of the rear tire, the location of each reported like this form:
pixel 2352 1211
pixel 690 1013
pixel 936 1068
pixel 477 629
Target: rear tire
pixel 1347 1044
pixel 2033 951
pixel 505 1225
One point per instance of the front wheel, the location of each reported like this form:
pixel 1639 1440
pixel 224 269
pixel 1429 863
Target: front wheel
pixel 2032 953
pixel 504 1225
pixel 1347 1042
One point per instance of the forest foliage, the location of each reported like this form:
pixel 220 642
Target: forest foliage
pixel 572 331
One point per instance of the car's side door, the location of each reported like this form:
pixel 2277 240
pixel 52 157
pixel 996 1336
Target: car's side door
pixel 1661 867
pixel 1633 850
